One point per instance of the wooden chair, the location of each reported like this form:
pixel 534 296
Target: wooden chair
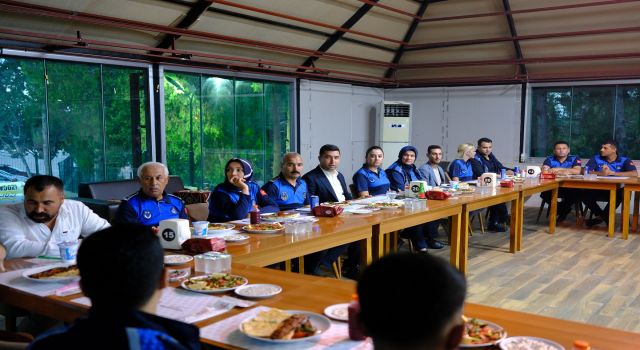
pixel 580 211
pixel 473 215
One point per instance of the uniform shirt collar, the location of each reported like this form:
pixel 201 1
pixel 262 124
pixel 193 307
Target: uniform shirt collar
pixel 163 199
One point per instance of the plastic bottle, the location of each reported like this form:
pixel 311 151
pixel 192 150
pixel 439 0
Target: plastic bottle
pixel 355 333
pixel 254 215
pixel 581 345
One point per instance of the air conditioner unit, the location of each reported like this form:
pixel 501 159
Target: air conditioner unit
pixel 393 128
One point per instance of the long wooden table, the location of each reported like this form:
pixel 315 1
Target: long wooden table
pixel 315 293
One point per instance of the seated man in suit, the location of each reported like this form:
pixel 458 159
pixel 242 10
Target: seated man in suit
pixel 326 182
pixel 562 163
pixel 486 162
pixel 607 163
pixel 44 219
pixel 121 270
pixel 288 189
pixel 151 204
pixel 433 173
pixel 388 310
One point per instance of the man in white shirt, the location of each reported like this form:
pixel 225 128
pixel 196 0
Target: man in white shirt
pixel 34 228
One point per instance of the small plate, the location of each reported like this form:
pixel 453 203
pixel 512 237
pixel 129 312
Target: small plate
pixel 304 209
pixel 210 291
pixel 235 238
pixel 176 275
pixel 494 327
pixel 338 312
pixel 361 211
pixel 177 259
pixel 321 323
pixel 505 343
pixel 249 229
pixel 274 217
pixel 258 291
pixel 26 274
pixel 216 227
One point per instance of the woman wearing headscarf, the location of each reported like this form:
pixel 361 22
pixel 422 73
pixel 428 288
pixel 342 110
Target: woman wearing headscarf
pixel 235 197
pixel 400 174
pixel 403 170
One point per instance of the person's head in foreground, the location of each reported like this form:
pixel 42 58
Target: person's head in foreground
pixel 122 267
pixel 412 301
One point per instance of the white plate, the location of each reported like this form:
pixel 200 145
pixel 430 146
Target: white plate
pixel 210 291
pixel 338 312
pixel 261 231
pixel 304 209
pixel 273 217
pixel 29 272
pixel 258 291
pixel 228 227
pixel 361 211
pixel 493 326
pixel 320 322
pixel 177 259
pixel 176 275
pixel 504 344
pixel 235 238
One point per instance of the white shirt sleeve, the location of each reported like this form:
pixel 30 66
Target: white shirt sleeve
pixel 91 222
pixel 16 237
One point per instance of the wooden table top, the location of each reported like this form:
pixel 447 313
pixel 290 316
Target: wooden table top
pixel 315 293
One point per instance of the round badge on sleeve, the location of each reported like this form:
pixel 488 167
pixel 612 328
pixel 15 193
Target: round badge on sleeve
pixel 174 210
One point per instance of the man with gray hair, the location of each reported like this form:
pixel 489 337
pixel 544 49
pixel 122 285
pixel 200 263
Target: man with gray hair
pixel 151 204
pixel 288 189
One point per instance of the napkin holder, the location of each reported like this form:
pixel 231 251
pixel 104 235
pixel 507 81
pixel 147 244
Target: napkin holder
pixel 416 189
pixel 533 171
pixel 173 232
pixel 488 180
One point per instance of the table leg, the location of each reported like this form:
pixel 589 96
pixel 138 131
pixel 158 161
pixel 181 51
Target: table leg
pixel 553 211
pixel 365 252
pixel 454 240
pixel 515 223
pixel 377 242
pixel 464 240
pixel 393 241
pixel 626 203
pixel 612 211
pixel 287 265
pixel 301 265
pixel 636 204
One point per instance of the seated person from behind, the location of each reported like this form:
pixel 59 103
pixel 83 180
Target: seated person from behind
pixel 393 325
pixel 44 219
pixel 371 180
pixel 122 272
pixel 288 189
pixel 607 163
pixel 461 169
pixel 151 204
pixel 562 163
pixel 235 197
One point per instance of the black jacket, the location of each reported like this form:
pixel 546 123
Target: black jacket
pixel 318 185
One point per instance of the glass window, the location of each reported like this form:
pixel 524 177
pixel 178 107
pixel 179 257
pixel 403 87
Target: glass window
pixel 81 122
pixel 585 116
pixel 240 118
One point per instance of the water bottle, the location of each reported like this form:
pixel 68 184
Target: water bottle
pixel 355 333
pixel 503 173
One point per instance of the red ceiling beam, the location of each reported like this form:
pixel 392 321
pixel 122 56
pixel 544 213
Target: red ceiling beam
pixel 307 21
pixel 71 41
pixel 29 9
pixel 392 9
pixel 531 10
pixel 413 47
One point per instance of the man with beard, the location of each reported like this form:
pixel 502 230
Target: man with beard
pixel 35 227
pixel 288 189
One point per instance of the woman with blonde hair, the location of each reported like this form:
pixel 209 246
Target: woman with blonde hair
pixel 461 169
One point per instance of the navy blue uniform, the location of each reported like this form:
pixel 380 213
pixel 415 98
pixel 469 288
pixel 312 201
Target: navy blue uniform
pixel 570 162
pixel 286 196
pixel 141 209
pixel 461 169
pixel 592 197
pixel 227 202
pixel 366 180
pixel 618 165
pixel 568 195
pixel 400 175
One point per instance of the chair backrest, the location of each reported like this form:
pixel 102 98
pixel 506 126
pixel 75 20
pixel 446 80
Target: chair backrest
pixel 352 188
pixel 119 189
pixel 445 166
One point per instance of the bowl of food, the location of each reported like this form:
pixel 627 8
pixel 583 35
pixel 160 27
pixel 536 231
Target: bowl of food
pixel 480 333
